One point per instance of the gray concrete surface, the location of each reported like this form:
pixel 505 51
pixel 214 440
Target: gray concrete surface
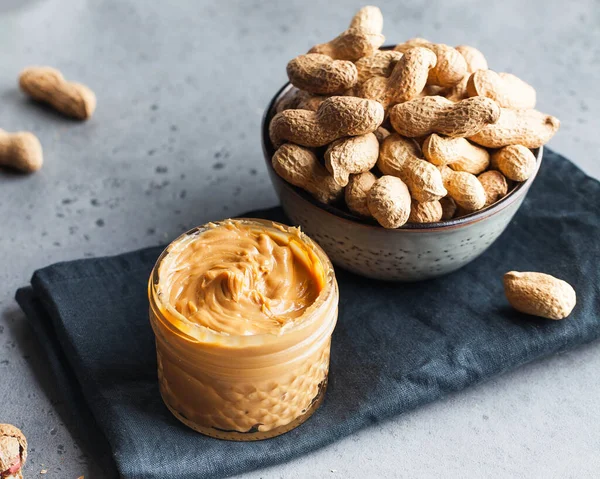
pixel 175 142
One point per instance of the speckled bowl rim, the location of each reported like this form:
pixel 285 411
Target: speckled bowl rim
pixel 514 195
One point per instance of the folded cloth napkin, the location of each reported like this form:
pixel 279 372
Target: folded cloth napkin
pixel 396 346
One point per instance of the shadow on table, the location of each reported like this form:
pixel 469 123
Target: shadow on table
pixel 73 411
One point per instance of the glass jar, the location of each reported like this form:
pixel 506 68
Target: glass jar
pixel 245 387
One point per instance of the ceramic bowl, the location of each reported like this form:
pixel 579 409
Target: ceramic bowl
pixel 412 252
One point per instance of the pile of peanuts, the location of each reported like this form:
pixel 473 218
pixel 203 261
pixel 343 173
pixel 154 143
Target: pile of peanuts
pixel 421 133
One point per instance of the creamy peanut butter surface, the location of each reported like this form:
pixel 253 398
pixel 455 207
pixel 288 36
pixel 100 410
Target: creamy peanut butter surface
pixel 237 279
pixel 243 312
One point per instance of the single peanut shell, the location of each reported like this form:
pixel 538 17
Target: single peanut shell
pixel 411 43
pixel 529 128
pixel 401 157
pixel 474 58
pixel 539 294
pixel 406 81
pixel 301 167
pixel 350 156
pixel 320 74
pixel 389 202
pixel 13 451
pixel 464 188
pixel 48 85
pixel 368 19
pixel 456 152
pixel 380 64
pixel 357 191
pixel 516 162
pixel 448 208
pixel 436 114
pixel 429 212
pixel 351 45
pixel 450 68
pixel 295 99
pixel 21 151
pixel 338 116
pixel 495 185
pixel 506 89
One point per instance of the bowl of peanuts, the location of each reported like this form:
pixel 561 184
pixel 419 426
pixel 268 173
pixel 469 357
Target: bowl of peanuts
pixel 404 162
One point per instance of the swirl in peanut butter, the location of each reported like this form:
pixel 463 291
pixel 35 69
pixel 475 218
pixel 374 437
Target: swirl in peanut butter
pixel 236 279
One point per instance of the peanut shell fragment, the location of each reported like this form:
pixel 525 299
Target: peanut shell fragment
pixel 13 452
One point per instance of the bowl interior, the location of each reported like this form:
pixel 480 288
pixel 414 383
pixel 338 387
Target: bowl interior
pixel 341 210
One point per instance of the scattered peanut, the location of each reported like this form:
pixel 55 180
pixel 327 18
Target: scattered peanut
pixel 380 64
pixel 436 114
pixel 516 162
pixel 352 155
pixel 400 157
pixel 406 81
pixel 336 117
pixel 539 294
pixel 316 73
pixel 507 90
pixel 300 167
pixel 529 128
pixel 389 202
pixel 357 191
pixel 362 39
pixel 48 85
pixel 464 188
pixel 429 212
pixel 13 452
pixel 474 58
pixel 495 185
pixel 448 208
pixel 456 152
pixel 21 151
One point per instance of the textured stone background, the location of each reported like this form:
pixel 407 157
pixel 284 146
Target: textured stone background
pixel 175 142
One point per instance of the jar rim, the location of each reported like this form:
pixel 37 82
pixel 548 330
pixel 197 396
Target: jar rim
pixel 194 332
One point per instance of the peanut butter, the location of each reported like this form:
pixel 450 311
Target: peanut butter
pixel 241 280
pixel 243 312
